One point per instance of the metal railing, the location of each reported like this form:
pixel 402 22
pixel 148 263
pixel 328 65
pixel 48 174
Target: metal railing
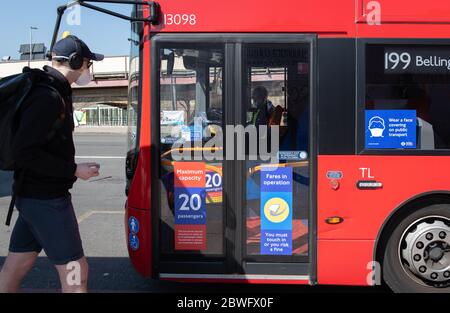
pixel 106 116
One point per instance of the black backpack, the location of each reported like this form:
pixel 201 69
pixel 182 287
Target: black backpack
pixel 13 91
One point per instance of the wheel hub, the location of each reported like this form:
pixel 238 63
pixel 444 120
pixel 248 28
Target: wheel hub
pixel 436 254
pixel 425 250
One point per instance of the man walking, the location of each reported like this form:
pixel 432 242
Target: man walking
pixel 44 153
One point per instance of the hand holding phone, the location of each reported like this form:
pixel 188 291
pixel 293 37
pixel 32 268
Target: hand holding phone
pixel 87 170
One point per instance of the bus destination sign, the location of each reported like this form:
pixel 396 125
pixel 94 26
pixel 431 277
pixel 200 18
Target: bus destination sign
pixel 417 60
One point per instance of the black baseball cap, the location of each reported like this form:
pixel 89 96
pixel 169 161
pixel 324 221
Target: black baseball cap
pixel 65 47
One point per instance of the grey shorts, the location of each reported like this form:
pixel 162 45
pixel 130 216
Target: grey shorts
pixel 50 225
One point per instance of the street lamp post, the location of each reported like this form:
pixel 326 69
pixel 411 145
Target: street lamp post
pixel 31 43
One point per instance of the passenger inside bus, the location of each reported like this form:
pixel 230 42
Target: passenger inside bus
pixel 266 113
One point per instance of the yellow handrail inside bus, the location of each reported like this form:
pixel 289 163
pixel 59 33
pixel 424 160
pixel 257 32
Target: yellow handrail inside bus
pixel 191 149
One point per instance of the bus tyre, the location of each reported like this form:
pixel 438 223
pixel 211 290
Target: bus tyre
pixel 417 255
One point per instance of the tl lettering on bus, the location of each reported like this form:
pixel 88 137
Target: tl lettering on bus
pixel 366 172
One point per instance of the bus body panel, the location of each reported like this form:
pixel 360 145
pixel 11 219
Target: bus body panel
pixel 336 17
pixel 407 11
pixel 365 211
pixel 345 18
pixel 240 281
pixel 141 256
pixel 344 262
pixel 346 250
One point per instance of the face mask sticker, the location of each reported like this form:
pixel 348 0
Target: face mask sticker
pixel 376 126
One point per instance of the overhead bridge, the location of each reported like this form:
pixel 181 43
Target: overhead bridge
pixel 109 87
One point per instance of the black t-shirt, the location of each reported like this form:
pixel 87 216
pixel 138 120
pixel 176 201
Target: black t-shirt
pixel 48 164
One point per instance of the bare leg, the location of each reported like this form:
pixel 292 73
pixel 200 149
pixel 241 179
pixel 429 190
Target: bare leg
pixel 74 276
pixel 16 267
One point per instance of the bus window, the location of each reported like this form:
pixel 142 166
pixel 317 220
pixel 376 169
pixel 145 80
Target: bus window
pixel 191 105
pixel 409 83
pixel 134 102
pixel 277 94
pixel 214 112
pixel 191 88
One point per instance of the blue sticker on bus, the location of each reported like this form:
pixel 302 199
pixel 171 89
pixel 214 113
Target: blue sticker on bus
pixel 134 242
pixel 335 175
pixel 190 205
pixel 276 211
pixel 133 224
pixel 292 155
pixel 276 242
pixel 190 208
pixel 391 129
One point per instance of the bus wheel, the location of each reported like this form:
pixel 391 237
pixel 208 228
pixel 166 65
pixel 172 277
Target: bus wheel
pixel 417 255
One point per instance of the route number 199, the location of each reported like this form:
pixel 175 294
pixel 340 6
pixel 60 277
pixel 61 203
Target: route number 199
pixel 393 59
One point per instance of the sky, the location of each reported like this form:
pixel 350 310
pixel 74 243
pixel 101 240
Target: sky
pixel 102 33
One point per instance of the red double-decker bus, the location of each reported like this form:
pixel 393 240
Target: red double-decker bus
pixel 359 190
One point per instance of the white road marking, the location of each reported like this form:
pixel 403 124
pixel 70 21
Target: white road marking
pixel 90 213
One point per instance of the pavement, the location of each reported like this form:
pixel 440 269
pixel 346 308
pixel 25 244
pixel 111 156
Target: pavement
pixel 99 206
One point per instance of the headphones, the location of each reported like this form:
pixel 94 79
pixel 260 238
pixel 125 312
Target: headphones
pixel 76 58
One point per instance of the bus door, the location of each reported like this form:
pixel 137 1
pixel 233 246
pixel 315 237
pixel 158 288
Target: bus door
pixel 276 93
pixel 188 191
pixel 223 205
